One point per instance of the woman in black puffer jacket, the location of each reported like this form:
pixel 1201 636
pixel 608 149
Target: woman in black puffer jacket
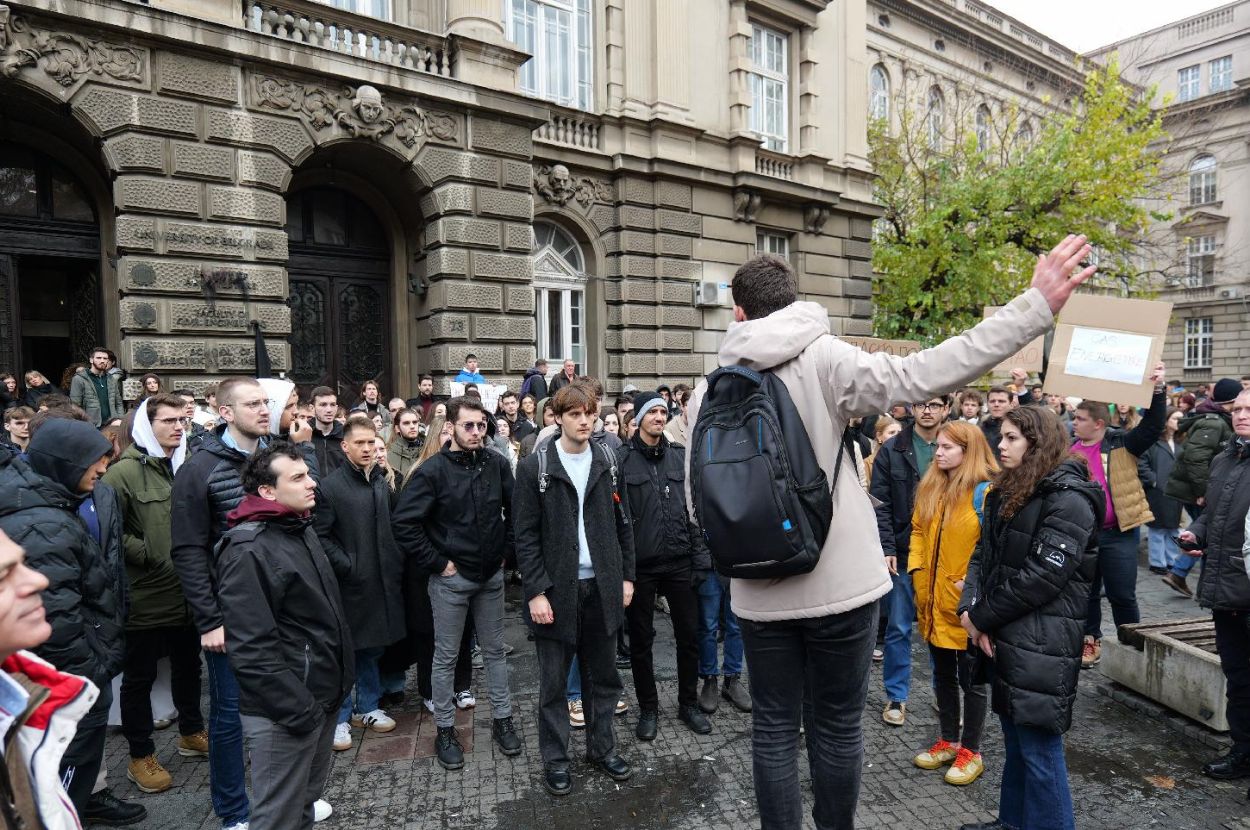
pixel 1024 608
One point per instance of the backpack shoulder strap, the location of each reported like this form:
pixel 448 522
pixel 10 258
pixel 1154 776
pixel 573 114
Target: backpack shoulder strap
pixel 543 477
pixel 978 500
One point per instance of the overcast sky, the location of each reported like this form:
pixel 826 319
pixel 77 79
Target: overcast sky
pixel 1087 24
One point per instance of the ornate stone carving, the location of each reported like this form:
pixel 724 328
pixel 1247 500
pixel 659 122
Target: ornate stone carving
pixel 66 58
pixel 557 185
pixel 746 205
pixel 814 218
pixel 360 111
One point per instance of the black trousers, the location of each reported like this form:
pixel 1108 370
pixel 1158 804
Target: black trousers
pixel 144 648
pixel 683 604
pixel 80 765
pixel 952 673
pixel 601 684
pixel 1232 641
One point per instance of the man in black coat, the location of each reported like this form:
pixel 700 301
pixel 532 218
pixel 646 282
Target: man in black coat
pixel 454 518
pixel 327 434
pixel 68 521
pixel 353 520
pixel 1224 587
pixel 575 550
pixel 670 559
pixel 286 634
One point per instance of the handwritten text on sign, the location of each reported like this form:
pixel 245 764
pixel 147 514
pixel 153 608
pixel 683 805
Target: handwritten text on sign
pixel 1108 355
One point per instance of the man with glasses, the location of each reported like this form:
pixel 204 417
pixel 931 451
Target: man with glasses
pixel 896 473
pixel 455 516
pixel 157 622
pixel 206 488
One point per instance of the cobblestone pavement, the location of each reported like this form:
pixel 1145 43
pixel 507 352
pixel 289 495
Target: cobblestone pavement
pixel 1132 766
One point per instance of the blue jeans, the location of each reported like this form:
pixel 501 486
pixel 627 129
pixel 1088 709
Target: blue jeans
pixel 713 602
pixel 1117 569
pixel 1163 547
pixel 896 664
pixel 393 682
pixel 1034 794
pixel 574 682
pixel 1184 564
pixel 368 684
pixel 226 775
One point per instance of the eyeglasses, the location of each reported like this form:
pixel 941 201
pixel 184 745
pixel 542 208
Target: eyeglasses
pixel 928 407
pixel 169 422
pixel 473 426
pixel 254 406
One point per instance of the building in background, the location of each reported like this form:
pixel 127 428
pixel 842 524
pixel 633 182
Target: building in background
pixel 385 185
pixel 1201 257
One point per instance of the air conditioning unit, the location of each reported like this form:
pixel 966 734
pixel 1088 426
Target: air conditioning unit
pixel 1230 293
pixel 712 295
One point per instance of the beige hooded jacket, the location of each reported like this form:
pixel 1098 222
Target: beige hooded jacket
pixel 832 382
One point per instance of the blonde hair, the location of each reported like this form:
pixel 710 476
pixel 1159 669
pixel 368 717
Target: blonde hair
pixel 940 488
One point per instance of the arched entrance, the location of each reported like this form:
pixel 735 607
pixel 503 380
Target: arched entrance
pixel 559 296
pixel 339 272
pixel 50 306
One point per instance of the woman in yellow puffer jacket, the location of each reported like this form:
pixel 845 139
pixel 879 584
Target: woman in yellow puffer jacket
pixel 946 526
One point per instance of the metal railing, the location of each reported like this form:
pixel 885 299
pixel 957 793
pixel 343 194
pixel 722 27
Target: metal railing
pixel 302 21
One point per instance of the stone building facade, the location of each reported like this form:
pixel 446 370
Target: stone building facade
pixel 385 187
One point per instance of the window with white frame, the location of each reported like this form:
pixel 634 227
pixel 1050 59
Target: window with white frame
pixel 770 87
pixel 1199 342
pixel 1188 83
pixel 935 117
pixel 878 94
pixel 1221 76
pixel 983 128
pixel 771 242
pixel 1202 180
pixel 380 9
pixel 1201 257
pixel 558 35
pixel 559 296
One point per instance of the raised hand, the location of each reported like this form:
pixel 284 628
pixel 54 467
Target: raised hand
pixel 1056 274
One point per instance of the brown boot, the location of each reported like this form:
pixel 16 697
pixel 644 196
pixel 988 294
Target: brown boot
pixel 1178 584
pixel 148 774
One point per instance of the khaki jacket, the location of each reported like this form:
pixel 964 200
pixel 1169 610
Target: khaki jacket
pixel 831 382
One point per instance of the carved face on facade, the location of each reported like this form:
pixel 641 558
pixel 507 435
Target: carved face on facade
pixel 368 104
pixel 560 179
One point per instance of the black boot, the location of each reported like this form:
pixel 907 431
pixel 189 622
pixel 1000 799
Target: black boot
pixel 105 808
pixel 447 747
pixel 648 725
pixel 1233 765
pixel 693 717
pixel 615 766
pixel 505 735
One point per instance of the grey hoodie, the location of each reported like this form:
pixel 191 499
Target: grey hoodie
pixel 831 382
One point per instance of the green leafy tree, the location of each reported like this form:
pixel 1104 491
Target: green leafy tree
pixel 972 198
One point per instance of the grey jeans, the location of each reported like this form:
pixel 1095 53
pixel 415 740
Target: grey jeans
pixel 452 599
pixel 288 771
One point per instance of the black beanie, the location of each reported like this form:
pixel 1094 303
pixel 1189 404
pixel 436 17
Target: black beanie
pixel 1226 391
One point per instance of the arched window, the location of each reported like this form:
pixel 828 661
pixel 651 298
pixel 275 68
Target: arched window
pixel 983 128
pixel 878 93
pixel 935 117
pixel 1024 136
pixel 1202 184
pixel 559 296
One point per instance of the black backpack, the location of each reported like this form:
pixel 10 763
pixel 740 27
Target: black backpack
pixel 760 497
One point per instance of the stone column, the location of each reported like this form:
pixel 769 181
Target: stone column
pixel 484 56
pixel 479 19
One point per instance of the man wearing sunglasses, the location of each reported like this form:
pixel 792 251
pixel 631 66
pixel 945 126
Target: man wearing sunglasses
pixel 896 474
pixel 455 518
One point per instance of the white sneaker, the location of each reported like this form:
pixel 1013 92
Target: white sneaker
pixel 377 720
pixel 322 810
pixel 342 738
pixel 465 700
pixel 242 825
pixel 429 705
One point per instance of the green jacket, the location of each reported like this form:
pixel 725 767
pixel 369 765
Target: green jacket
pixel 1205 435
pixel 401 457
pixel 144 485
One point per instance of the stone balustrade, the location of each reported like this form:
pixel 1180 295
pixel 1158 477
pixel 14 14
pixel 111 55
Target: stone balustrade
pixel 572 128
pixel 303 21
pixel 774 164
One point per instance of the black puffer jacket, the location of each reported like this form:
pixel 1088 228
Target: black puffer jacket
pixel 329 449
pixel 458 506
pixel 895 476
pixel 1221 532
pixel 1028 587
pixel 353 519
pixel 84 600
pixel 286 634
pixel 665 540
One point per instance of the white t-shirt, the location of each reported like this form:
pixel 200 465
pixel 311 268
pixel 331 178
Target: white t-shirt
pixel 578 468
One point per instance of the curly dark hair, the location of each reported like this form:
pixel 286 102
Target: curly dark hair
pixel 257 471
pixel 1048 446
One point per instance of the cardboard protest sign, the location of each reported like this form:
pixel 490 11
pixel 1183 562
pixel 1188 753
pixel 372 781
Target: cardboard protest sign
pixel 1106 347
pixel 490 393
pixel 872 345
pixel 1029 358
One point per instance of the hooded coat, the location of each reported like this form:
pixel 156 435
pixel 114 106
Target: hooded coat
pixel 1028 588
pixel 940 550
pixel 1205 432
pixel 535 383
pixel 85 598
pixel 144 480
pixel 831 382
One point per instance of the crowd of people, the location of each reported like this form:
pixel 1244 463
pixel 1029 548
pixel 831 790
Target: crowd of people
pixel 320 563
